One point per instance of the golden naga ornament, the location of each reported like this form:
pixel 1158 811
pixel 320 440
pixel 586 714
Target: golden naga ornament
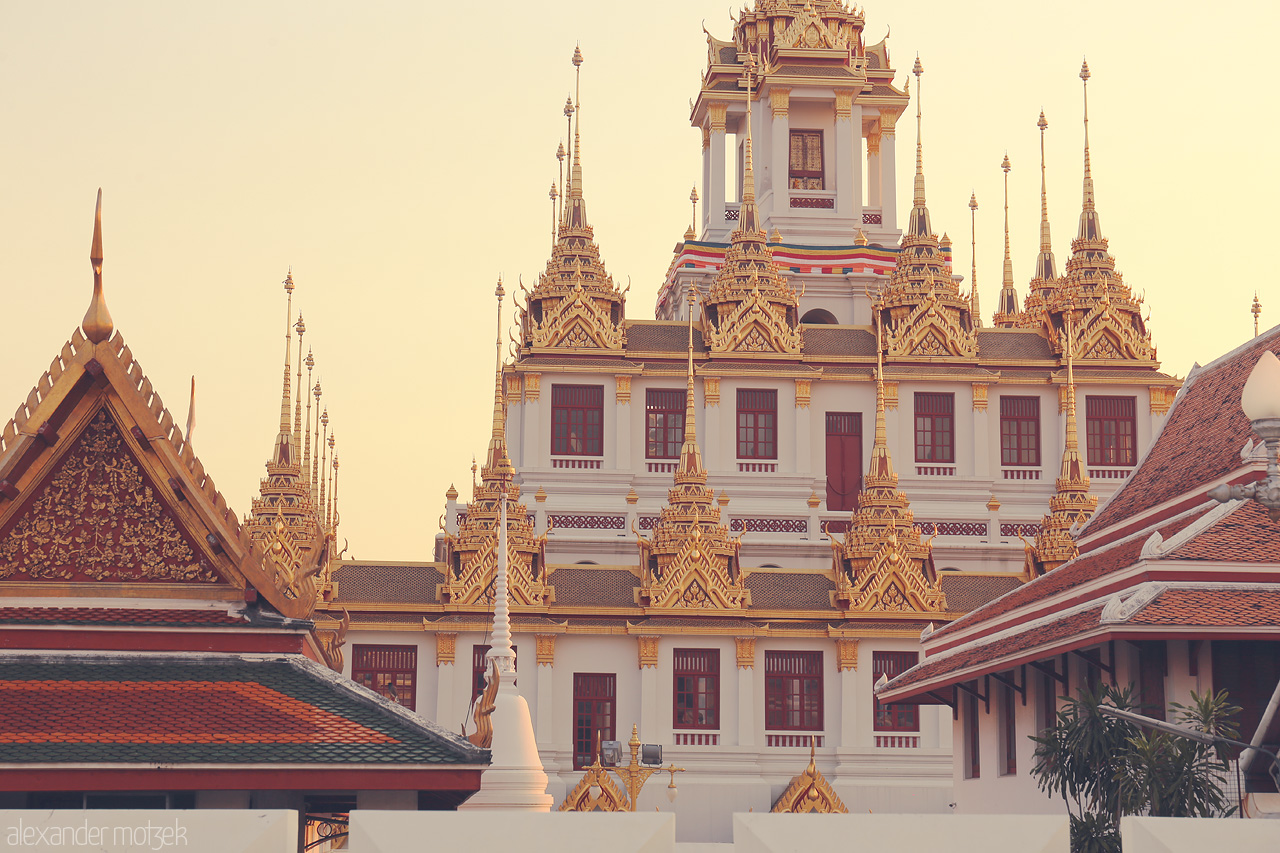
pixel 809 793
pixel 597 792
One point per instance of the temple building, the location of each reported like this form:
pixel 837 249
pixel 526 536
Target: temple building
pixel 730 520
pixel 158 652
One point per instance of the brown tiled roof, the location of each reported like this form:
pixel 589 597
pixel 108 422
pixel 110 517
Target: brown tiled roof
pixel 1247 535
pixel 782 364
pixel 833 340
pixel 578 586
pixel 1201 439
pixel 1082 569
pixel 966 592
pixel 877 625
pixel 360 620
pixel 977 654
pixel 728 55
pixel 531 361
pixel 403 584
pixel 670 337
pixel 813 71
pixel 877 90
pixel 117 616
pixel 696 622
pixel 952 371
pixel 1013 344
pixel 789 591
pixel 1212 607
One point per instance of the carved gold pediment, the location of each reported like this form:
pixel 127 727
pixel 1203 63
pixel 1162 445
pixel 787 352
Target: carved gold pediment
pixel 696 572
pixel 809 793
pixel 595 792
pixel 578 317
pixel 807 31
pixel 754 324
pixel 932 325
pixel 471 557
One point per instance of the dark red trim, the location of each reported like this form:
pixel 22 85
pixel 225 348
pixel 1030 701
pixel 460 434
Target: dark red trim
pixel 1192 500
pixel 254 779
pixel 72 639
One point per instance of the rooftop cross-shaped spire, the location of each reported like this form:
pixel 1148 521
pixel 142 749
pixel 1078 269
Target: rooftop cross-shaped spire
pixel 97 323
pixel 1046 269
pixel 918 224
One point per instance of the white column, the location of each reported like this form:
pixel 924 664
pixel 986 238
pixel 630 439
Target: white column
pixel 780 162
pixel 622 423
pixel 873 171
pixel 536 453
pixel 746 652
pixel 848 157
pixel 546 688
pixel 982 440
pixel 446 714
pixel 712 441
pixel 803 442
pixel 848 708
pixel 649 702
pixel 706 180
pixel 888 171
pixel 715 196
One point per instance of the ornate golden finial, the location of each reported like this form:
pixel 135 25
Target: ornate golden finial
pixel 97 323
pixel 814 501
pixel 632 497
pixel 918 224
pixel 541 495
pixel 333 457
pixel 748 215
pixel 553 195
pixel 452 494
pixel 1256 310
pixel 1090 228
pixel 560 161
pixel 568 117
pixel 723 499
pixel 693 199
pixel 473 474
pixel 285 450
pixel 689 234
pixel 1007 309
pixel 690 466
pixel 306 451
pixel 776 236
pixel 1045 267
pixel 301 328
pixel 315 458
pixel 324 459
pixel 497 464
pixel 861 238
pixel 974 310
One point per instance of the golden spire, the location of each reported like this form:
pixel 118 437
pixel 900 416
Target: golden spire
pixel 690 469
pixel 315 459
pixel 1090 227
pixel 1007 308
pixel 881 462
pixel 1256 310
pixel 693 199
pixel 564 195
pixel 324 423
pixel 306 453
pixel 576 212
pixel 918 224
pixel 560 192
pixel 1071 505
pixel 283 454
pixel 301 328
pixel 97 323
pixel 974 310
pixel 497 465
pixel 749 216
pixel 1046 269
pixel 333 456
pixel 553 195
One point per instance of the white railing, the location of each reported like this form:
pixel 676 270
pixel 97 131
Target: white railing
pixel 1021 473
pixel 661 467
pixel 697 738
pixel 575 462
pixel 897 741
pixel 757 467
pixel 792 740
pixel 936 470
pixel 1110 473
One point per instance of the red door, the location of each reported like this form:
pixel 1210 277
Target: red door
pixel 593 714
pixel 844 460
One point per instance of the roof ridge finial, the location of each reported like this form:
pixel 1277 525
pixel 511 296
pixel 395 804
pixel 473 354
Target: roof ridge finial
pixel 919 221
pixel 1090 228
pixel 1256 310
pixel 1045 266
pixel 881 461
pixel 284 441
pixel 1008 305
pixel 974 311
pixel 497 463
pixel 1072 440
pixel 97 324
pixel 690 456
pixel 301 328
pixel 749 216
pixel 316 392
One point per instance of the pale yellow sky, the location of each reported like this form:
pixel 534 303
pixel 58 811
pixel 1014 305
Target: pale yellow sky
pixel 398 155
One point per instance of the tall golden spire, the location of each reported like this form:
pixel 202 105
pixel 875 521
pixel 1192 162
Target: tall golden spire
pixel 284 450
pixel 1046 269
pixel 1090 227
pixel 306 453
pixel 749 214
pixel 974 311
pixel 497 465
pixel 918 224
pixel 690 469
pixel 576 209
pixel 1071 505
pixel 301 328
pixel 1007 307
pixel 315 458
pixel 97 323
pixel 881 467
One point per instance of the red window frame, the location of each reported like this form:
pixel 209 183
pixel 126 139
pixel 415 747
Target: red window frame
pixel 1111 427
pixel 793 691
pixel 972 738
pixel 391 671
pixel 577 420
pixel 480 667
pixel 664 410
pixel 1009 730
pixel 1019 430
pixel 935 427
pixel 594 711
pixel 697 689
pixel 801 144
pixel 894 718
pixel 757 423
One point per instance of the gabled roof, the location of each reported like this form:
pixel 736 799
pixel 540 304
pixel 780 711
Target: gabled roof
pixel 207 709
pixel 1206 416
pixel 98 485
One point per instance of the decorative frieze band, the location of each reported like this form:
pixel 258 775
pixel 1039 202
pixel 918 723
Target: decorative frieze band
pixel 588 522
pixel 769 525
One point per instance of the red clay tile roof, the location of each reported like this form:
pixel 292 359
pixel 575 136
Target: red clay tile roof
pixel 993 653
pixel 1082 569
pixel 1200 442
pixel 115 616
pixel 1212 607
pixel 176 709
pixel 1247 535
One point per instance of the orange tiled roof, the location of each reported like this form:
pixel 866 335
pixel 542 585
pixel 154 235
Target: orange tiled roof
pixel 1212 607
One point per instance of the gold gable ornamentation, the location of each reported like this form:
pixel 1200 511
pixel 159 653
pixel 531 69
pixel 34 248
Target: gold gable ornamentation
pixel 808 32
pixel 472 557
pixel 753 320
pixel 928 322
pixel 595 792
pixel 810 792
pixel 99 518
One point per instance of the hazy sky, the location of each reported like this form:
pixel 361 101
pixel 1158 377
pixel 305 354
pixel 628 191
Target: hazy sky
pixel 398 156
